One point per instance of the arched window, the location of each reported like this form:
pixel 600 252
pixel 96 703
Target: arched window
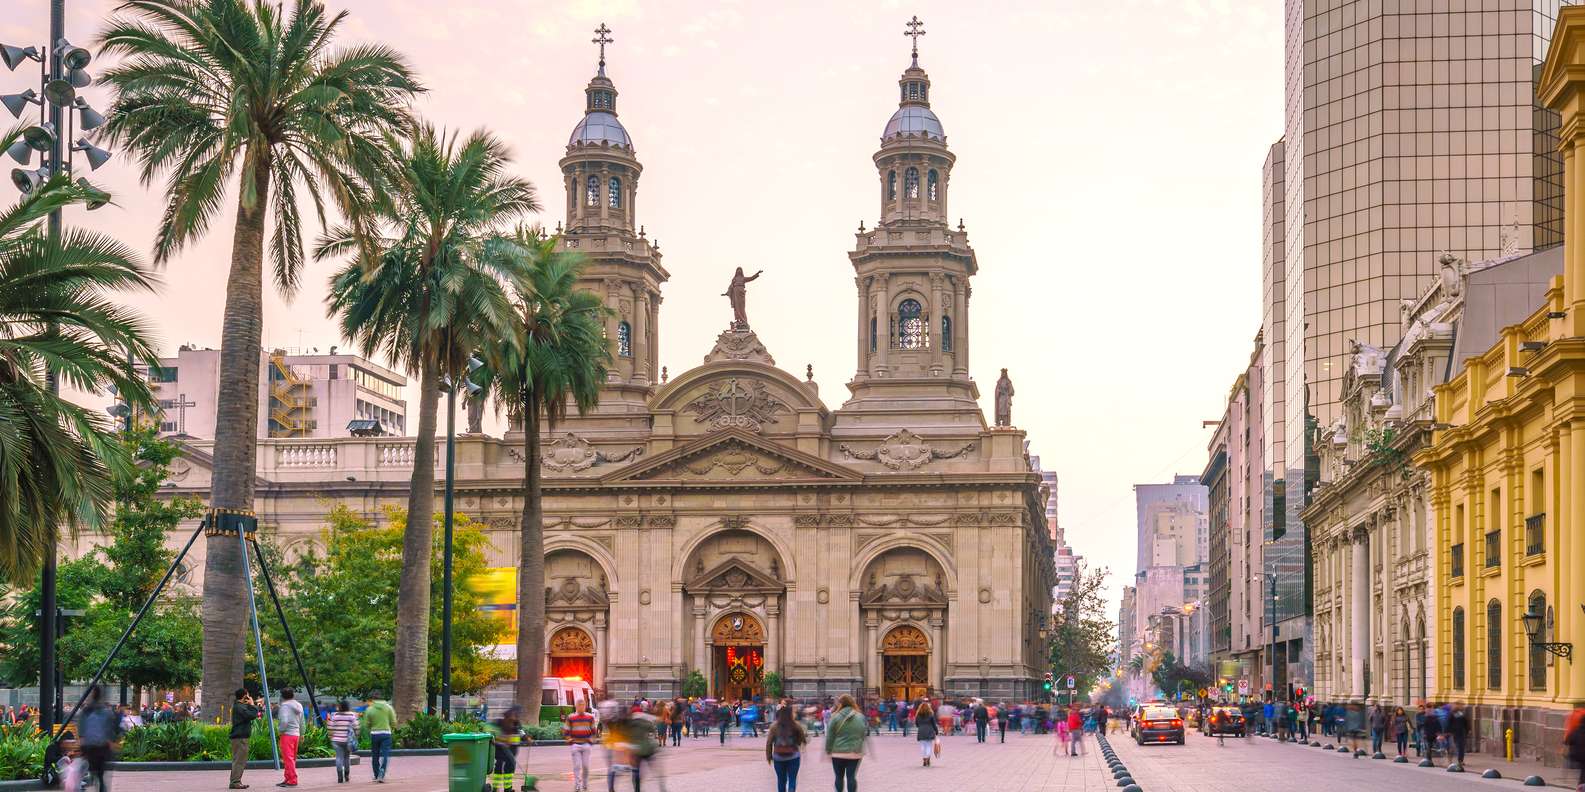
pixel 911 184
pixel 946 331
pixel 1458 648
pixel 615 192
pixel 931 182
pixel 1407 660
pixel 1424 655
pixel 1538 653
pixel 912 330
pixel 592 194
pixel 872 334
pixel 1494 644
pixel 891 186
pixel 624 340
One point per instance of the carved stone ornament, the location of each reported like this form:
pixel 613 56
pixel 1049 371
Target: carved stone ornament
pixel 904 590
pixel 905 639
pixel 739 345
pixel 738 630
pixel 574 453
pixel 731 405
pixel 571 642
pixel 904 450
pixel 734 461
pixel 571 593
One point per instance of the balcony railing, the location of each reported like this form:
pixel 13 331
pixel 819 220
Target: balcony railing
pixel 1493 548
pixel 1457 552
pixel 1535 534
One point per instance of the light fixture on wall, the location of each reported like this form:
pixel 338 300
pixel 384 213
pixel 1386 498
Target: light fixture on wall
pixel 1533 624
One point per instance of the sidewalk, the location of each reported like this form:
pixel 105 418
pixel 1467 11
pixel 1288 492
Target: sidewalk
pixel 1477 763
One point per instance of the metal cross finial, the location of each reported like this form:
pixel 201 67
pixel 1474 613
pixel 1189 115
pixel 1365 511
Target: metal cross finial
pixel 916 28
pixel 602 36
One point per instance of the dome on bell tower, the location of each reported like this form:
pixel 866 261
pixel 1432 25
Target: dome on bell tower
pixel 599 125
pixel 914 116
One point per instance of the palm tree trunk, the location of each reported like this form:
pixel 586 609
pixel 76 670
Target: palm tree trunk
pixel 236 448
pixel 531 574
pixel 412 594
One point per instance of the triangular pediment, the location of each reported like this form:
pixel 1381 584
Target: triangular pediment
pixel 731 457
pixel 736 576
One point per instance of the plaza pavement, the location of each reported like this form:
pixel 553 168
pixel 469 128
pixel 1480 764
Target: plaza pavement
pixel 1023 764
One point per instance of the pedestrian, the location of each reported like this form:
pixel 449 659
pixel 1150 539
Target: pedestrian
pixel 343 727
pixel 904 716
pixel 1001 721
pixel 1398 727
pixel 619 736
pixel 381 720
pixel 1061 729
pixel 1430 730
pixel 845 741
pixel 1378 727
pixel 244 711
pixel 1458 727
pixel 925 732
pixel 982 720
pixel 1075 730
pixel 891 716
pixel 1574 740
pixel 506 734
pixel 724 716
pixel 99 729
pixel 784 742
pixel 580 729
pixel 289 730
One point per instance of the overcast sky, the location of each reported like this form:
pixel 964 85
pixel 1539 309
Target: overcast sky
pixel 1108 174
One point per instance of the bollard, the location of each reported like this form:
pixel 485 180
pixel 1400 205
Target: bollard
pixel 1491 773
pixel 1535 780
pixel 1132 788
pixel 1124 781
pixel 1508 741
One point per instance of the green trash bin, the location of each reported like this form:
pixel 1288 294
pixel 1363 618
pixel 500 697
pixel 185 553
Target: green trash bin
pixel 468 762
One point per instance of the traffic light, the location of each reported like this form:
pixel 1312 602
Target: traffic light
pixel 1048 684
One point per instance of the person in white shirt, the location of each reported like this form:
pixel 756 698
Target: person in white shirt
pixel 289 724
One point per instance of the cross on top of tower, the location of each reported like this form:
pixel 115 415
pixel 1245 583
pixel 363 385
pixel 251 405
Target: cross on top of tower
pixel 916 28
pixel 602 36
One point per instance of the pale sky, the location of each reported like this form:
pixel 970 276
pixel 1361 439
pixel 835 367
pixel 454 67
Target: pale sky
pixel 1108 174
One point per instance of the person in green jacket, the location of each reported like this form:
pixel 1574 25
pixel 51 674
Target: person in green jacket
pixel 381 720
pixel 845 741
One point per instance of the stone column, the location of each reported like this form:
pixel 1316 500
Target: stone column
pixel 863 330
pixel 1360 612
pixel 960 315
pixel 613 302
pixel 640 335
pixel 600 643
pixel 938 652
pixel 701 654
pixel 601 198
pixel 883 336
pixel 772 636
pixel 1571 545
pixel 938 309
pixel 872 652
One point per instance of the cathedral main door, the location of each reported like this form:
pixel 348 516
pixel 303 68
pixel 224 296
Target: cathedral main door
pixel 905 664
pixel 572 654
pixel 738 645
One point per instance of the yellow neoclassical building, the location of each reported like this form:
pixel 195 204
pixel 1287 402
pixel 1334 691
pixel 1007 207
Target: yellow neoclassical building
pixel 1507 466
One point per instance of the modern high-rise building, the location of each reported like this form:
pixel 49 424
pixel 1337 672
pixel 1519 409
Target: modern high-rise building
pixel 312 395
pixel 1173 522
pixel 1410 129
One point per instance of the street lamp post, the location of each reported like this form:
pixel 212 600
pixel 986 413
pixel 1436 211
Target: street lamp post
pixel 446 580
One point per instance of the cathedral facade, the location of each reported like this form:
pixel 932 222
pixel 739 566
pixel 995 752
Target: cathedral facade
pixel 726 520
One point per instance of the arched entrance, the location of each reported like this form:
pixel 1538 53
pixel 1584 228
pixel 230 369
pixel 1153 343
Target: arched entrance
pixel 738 643
pixel 905 664
pixel 572 654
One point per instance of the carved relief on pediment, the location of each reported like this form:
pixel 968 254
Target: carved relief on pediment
pixel 735 404
pixel 904 450
pixel 903 588
pixel 735 575
pixel 573 453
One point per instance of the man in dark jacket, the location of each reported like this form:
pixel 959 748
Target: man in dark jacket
pixel 244 711
pixel 99 730
pixel 1458 728
pixel 982 719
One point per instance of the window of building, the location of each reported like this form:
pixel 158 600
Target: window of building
pixel 616 193
pixel 335 371
pixel 1535 524
pixel 872 334
pixel 1494 644
pixel 911 184
pixel 912 332
pixel 370 381
pixel 891 186
pixel 931 182
pixel 1538 653
pixel 1458 648
pixel 592 192
pixel 946 333
pixel 624 340
pixel 162 374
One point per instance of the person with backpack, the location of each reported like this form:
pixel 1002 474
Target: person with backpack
pixel 784 742
pixel 845 739
pixel 244 711
pixel 343 727
pixel 99 731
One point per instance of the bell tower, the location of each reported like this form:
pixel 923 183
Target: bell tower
pixel 913 269
pixel 600 174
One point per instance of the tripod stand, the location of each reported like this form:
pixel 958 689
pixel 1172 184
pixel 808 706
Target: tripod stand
pixel 219 523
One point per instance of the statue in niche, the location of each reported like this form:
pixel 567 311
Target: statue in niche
pixel 1004 400
pixel 476 414
pixel 737 293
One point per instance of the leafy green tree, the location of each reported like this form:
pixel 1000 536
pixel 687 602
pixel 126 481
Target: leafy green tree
pixel 214 92
pixel 1172 676
pixel 342 600
pixel 75 585
pixel 60 314
pixel 695 685
pixel 427 294
pixel 1083 640
pixel 556 358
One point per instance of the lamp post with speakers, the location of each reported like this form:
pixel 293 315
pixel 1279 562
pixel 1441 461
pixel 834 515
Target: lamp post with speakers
pixel 62 70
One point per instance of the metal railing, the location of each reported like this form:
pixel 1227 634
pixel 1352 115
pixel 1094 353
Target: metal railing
pixel 1458 560
pixel 1494 548
pixel 1535 534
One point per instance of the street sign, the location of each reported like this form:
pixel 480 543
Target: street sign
pixel 1243 687
pixel 1072 683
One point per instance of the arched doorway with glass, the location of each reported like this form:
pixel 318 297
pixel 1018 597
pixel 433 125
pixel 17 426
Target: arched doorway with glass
pixel 738 666
pixel 905 664
pixel 572 654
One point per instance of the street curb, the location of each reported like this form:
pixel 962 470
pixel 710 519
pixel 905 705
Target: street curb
pixel 24 785
pixel 253 764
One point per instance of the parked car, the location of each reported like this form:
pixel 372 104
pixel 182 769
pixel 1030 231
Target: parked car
pixel 1157 724
pixel 1223 720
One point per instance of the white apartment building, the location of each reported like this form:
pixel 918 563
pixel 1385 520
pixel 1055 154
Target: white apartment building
pixel 300 395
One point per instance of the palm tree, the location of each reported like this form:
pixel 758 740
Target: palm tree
pixel 58 460
pixel 558 358
pixel 211 90
pixel 429 297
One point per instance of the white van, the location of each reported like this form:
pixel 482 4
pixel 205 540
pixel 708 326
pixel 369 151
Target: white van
pixel 565 691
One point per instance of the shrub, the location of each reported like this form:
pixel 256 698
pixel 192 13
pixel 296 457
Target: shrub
pixel 164 742
pixel 554 713
pixel 423 731
pixel 21 752
pixel 544 731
